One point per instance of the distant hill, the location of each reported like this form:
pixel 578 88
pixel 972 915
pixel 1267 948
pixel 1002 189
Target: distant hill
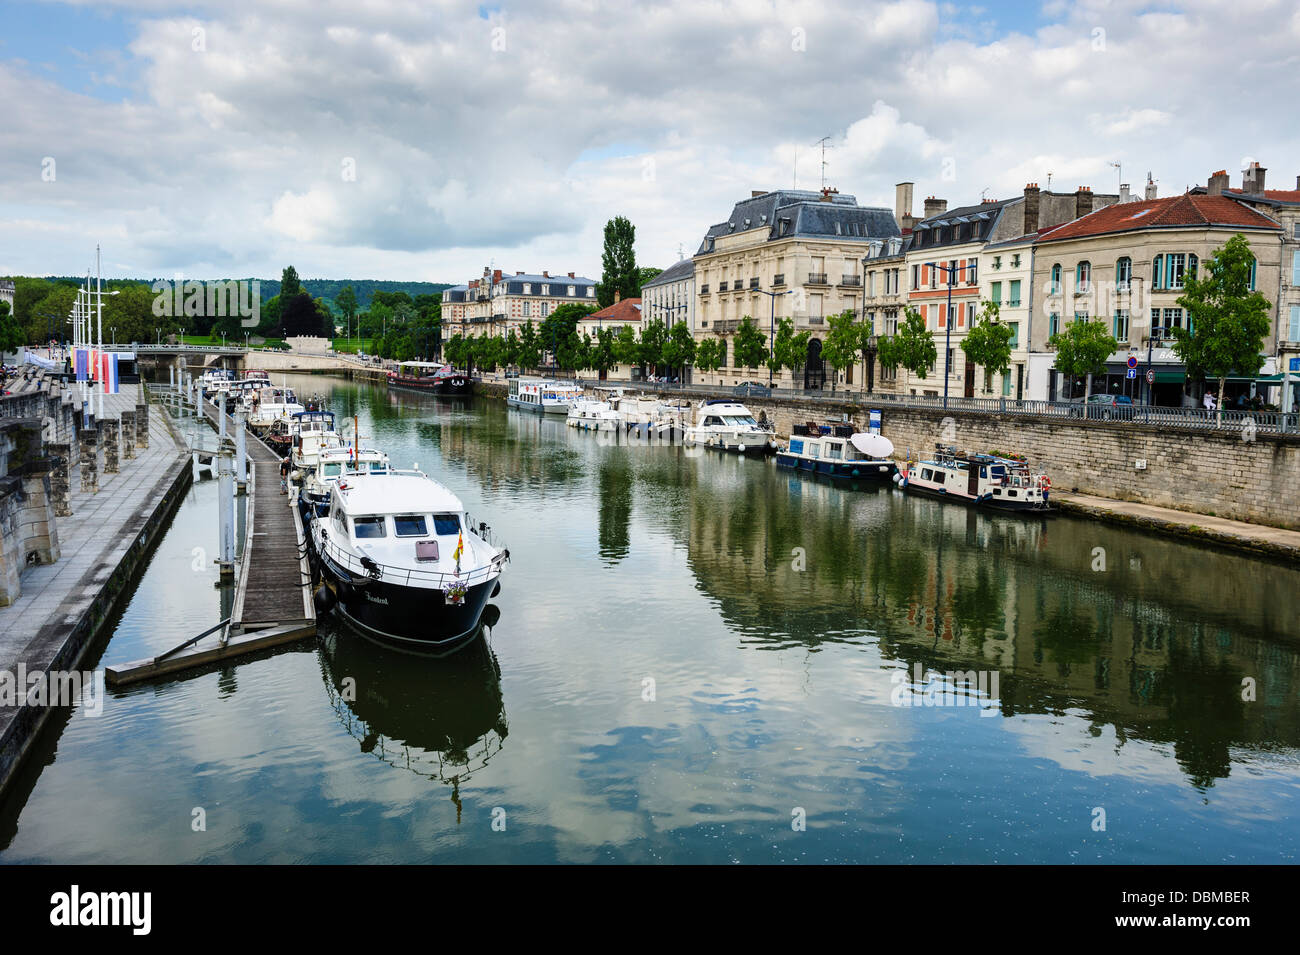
pixel 327 289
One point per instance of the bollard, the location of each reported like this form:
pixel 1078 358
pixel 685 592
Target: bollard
pixel 171 376
pixel 241 453
pixel 221 417
pixel 226 509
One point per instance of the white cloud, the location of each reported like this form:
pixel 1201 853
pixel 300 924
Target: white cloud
pixel 465 154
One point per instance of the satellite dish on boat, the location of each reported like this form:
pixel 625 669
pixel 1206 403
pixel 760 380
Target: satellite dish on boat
pixel 874 445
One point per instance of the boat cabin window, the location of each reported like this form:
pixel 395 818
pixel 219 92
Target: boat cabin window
pixel 834 452
pixel 368 527
pixel 338 520
pixel 740 419
pixel 927 474
pixel 330 470
pixel 410 525
pixel 446 524
pixel 712 421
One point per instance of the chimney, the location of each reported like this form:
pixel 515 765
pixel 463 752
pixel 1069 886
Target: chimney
pixel 1082 201
pixel 496 276
pixel 1151 187
pixel 1032 198
pixel 755 193
pixel 570 275
pixel 903 203
pixel 1218 183
pixel 617 296
pixel 934 207
pixel 1252 179
pixel 545 274
pixel 1124 193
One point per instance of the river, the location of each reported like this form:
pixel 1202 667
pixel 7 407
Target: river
pixel 702 658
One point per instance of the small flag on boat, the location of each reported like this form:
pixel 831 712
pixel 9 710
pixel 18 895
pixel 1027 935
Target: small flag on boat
pixel 460 546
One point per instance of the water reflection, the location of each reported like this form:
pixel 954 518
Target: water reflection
pixel 440 718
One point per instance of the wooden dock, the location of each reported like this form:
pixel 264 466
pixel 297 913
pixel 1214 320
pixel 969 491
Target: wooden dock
pixel 273 595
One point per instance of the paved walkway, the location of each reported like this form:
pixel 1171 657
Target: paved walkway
pixel 1260 538
pixel 92 542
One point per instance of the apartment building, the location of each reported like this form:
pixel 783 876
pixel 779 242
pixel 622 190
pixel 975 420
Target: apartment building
pixel 496 303
pixel 670 295
pixel 1127 265
pixel 783 254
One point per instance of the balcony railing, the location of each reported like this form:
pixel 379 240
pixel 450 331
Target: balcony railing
pixel 816 278
pixel 729 325
pixel 851 280
pixel 778 280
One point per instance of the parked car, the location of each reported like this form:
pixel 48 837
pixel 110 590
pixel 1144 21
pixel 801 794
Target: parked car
pixel 752 389
pixel 1104 407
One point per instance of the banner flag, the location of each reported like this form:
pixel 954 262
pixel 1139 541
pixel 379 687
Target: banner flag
pixel 109 376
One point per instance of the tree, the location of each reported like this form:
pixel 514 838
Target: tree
pixel 646 273
pixel 347 303
pixel 707 355
pixel 11 335
pixel 750 346
pixel 843 337
pixel 788 349
pixel 512 349
pixel 618 263
pixel 654 336
pixel 289 284
pixel 300 316
pixel 988 343
pixel 1082 349
pixel 530 352
pixel 603 357
pixel 1227 321
pixel 679 348
pixel 912 348
pixel 626 348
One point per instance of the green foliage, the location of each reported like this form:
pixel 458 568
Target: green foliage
pixel 654 337
pixel 679 348
pixel 618 263
pixel 626 348
pixel 530 349
pixel 788 350
pixel 290 287
pixel 750 349
pixel 603 355
pixel 912 348
pixel 988 343
pixel 708 355
pixel 844 338
pixel 1228 321
pixel 646 273
pixel 11 334
pixel 1083 347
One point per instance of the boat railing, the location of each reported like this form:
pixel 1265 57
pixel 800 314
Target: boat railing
pixel 391 573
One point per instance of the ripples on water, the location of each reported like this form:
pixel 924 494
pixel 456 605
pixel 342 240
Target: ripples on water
pixel 670 680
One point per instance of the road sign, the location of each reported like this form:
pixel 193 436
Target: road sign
pixel 1132 362
pixel 1151 376
pixel 1131 373
pixel 1295 364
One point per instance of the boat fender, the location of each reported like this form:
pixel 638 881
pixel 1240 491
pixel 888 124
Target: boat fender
pixel 323 599
pixel 345 590
pixel 740 448
pixel 496 589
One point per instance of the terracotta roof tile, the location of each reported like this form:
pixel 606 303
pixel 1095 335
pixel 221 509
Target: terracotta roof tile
pixel 1276 195
pixel 624 310
pixel 1173 212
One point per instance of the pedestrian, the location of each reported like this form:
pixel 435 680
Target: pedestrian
pixel 284 475
pixel 1208 401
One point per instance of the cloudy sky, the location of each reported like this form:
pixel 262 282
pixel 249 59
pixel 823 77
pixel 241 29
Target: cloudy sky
pixel 425 139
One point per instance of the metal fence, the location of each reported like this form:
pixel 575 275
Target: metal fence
pixel 1194 419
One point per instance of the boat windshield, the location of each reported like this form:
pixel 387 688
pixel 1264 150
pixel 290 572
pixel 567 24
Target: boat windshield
pixel 368 527
pixel 446 524
pixel 739 419
pixel 410 525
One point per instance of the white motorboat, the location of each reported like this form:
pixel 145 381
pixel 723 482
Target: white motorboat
pixel 401 560
pixel 727 425
pixel 590 414
pixel 543 395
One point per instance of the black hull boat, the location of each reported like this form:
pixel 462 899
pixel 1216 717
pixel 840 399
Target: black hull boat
pixel 406 618
pixel 445 382
pixel 396 556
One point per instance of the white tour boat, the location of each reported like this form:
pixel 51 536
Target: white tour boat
pixel 543 395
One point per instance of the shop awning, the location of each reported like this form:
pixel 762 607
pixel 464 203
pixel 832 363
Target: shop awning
pixel 1170 377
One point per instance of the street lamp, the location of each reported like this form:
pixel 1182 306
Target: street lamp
pixel 947 341
pixel 771 327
